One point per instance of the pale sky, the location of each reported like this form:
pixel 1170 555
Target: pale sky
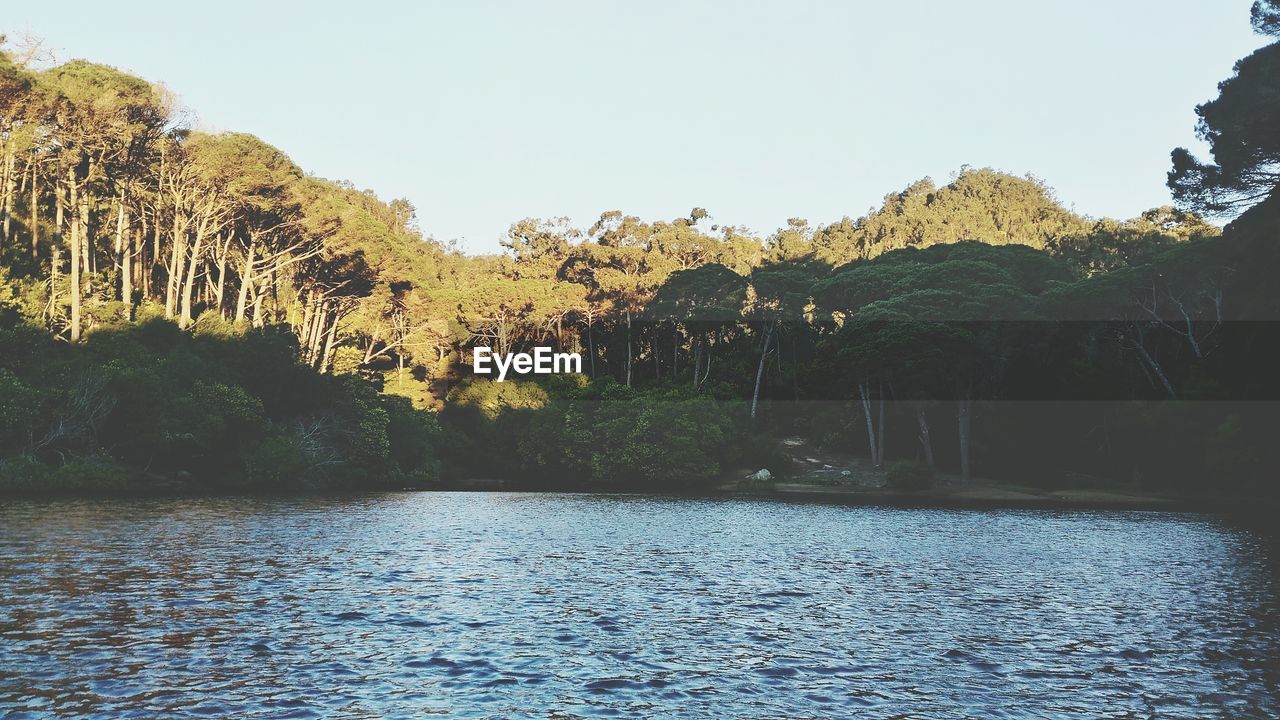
pixel 482 113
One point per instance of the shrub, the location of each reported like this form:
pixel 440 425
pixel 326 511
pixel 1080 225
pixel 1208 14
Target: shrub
pixel 22 476
pixel 210 323
pixel 759 451
pixel 413 435
pixel 92 474
pixel 18 408
pixel 660 439
pixel 910 476
pixel 277 463
pixel 556 443
pixel 837 427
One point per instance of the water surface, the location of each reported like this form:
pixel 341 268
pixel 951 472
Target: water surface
pixel 561 606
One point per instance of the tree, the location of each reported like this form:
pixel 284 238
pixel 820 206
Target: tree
pixel 539 246
pixel 1265 15
pixel 231 191
pixel 1240 126
pixel 1111 245
pixel 103 120
pixel 702 299
pixel 777 293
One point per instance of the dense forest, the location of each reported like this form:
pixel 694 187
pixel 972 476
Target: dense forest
pixel 184 309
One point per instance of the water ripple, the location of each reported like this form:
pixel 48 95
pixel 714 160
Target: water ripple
pixel 574 606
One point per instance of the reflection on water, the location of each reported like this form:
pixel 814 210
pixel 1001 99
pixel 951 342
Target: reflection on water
pixel 526 605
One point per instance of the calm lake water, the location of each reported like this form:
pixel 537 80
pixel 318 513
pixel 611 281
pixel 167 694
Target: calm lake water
pixel 560 606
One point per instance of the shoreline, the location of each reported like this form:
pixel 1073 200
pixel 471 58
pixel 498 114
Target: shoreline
pixel 978 497
pixel 995 497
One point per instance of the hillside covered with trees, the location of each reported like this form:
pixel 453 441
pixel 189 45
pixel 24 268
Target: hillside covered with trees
pixel 192 310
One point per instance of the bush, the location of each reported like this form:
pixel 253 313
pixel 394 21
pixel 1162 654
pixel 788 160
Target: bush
pixel 211 324
pixel 220 406
pixel 277 463
pixel 413 435
pixel 23 476
pixel 491 398
pixel 19 403
pixel 93 474
pixel 910 476
pixel 659 439
pixel 759 451
pixel 837 427
pixel 556 443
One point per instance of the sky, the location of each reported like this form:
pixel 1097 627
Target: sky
pixel 483 113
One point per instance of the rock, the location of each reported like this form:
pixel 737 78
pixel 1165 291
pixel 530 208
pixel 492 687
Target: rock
pixel 761 475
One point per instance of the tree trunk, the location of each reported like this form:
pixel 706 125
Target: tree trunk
pixel 55 247
pixel 219 287
pixel 925 441
pixel 883 429
pixel 317 332
pixel 192 264
pixel 657 354
pixel 259 294
pixel 10 183
pixel 140 253
pixel 326 360
pixel 177 256
pixel 246 279
pixel 706 361
pixel 675 352
pixel 591 348
pixel 308 317
pixel 35 213
pixel 131 246
pixel 1159 371
pixel 864 395
pixel 697 359
pixel 628 348
pixel 74 249
pixel 764 353
pixel 86 244
pixel 156 222
pixel 122 251
pixel 965 417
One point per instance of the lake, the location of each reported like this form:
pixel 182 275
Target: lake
pixel 505 605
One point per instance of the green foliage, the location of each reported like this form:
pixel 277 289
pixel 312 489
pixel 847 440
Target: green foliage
pixel 983 205
pixel 213 420
pixel 272 355
pixel 23 475
pixel 19 407
pixel 757 451
pixel 211 324
pixel 92 475
pixel 210 410
pixel 412 436
pixel 276 463
pixel 708 293
pixel 491 398
pixel 832 426
pixel 1231 459
pixel 909 476
pixel 602 434
pixel 1239 126
pixel 658 440
pixel 1265 15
